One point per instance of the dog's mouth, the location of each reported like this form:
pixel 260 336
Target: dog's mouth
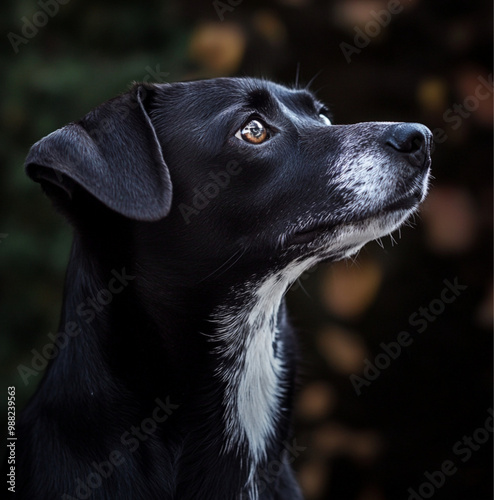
pixel 317 230
pixel 406 203
pixel 305 236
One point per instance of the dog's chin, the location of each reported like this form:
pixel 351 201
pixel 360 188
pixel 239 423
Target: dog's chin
pixel 333 241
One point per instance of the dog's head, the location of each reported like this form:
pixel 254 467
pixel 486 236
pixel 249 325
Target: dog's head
pixel 235 170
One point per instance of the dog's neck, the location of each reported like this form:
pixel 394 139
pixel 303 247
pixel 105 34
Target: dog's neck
pixel 252 360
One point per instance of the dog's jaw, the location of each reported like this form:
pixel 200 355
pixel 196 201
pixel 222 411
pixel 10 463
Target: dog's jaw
pixel 348 239
pixel 327 242
pixel 334 237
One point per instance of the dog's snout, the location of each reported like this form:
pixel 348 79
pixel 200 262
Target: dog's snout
pixel 412 140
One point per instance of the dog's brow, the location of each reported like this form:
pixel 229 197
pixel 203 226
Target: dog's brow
pixel 261 100
pixel 304 100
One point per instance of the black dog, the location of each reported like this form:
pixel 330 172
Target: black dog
pixel 195 206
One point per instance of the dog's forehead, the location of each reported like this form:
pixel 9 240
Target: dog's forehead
pixel 222 93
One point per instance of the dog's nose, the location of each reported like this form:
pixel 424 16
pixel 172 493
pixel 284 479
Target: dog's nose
pixel 412 140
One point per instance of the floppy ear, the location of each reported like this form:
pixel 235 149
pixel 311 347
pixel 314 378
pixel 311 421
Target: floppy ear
pixel 113 153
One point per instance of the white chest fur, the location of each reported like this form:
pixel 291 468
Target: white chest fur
pixel 252 368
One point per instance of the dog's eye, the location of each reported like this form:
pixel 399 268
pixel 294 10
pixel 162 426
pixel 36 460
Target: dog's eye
pixel 254 132
pixel 325 119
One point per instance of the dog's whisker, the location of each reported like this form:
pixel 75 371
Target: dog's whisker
pixel 299 282
pixel 225 263
pixel 297 75
pixel 352 260
pixel 311 81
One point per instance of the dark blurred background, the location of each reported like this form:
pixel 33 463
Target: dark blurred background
pixel 431 62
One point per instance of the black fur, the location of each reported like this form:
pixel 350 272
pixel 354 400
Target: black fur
pixel 127 176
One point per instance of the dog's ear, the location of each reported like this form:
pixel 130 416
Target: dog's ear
pixel 113 153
